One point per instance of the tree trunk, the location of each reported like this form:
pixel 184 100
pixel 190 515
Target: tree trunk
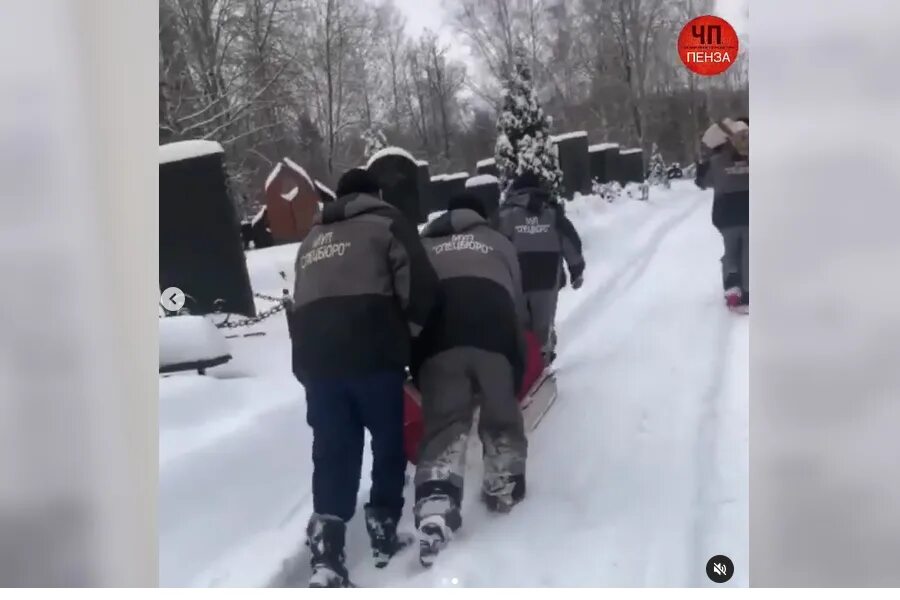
pixel 329 77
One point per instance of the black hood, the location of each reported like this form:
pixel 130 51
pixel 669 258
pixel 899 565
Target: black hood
pixel 351 205
pixel 454 221
pixel 532 199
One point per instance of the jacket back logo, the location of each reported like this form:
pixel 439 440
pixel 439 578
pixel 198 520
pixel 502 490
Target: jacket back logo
pixel 459 242
pixel 323 248
pixel 738 168
pixel 532 226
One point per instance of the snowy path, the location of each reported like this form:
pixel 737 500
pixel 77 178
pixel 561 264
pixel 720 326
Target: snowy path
pixel 637 476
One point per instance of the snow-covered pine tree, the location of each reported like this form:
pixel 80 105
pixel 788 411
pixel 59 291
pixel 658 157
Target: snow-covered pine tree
pixel 523 130
pixel 658 174
pixel 375 140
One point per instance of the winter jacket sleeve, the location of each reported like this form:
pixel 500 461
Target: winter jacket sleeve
pixel 571 245
pixel 708 166
pixel 703 178
pixel 291 316
pixel 415 281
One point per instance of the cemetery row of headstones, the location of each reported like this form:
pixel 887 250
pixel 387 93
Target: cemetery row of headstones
pixel 610 163
pixel 583 165
pixel 202 240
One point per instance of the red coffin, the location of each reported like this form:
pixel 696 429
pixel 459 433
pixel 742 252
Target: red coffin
pixel 413 426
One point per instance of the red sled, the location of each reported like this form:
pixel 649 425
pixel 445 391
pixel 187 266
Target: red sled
pixel 413 425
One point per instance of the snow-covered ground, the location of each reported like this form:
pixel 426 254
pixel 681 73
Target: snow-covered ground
pixel 637 476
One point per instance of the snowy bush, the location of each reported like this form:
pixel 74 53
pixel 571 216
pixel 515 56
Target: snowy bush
pixel 637 191
pixel 375 140
pixel 658 174
pixel 523 131
pixel 610 192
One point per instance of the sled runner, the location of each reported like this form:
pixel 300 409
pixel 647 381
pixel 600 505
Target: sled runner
pixel 536 399
pixel 539 399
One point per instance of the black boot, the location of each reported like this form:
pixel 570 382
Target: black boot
pixel 325 536
pixel 382 527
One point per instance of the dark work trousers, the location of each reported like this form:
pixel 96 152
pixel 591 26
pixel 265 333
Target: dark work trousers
pixel 542 308
pixel 735 261
pixel 339 410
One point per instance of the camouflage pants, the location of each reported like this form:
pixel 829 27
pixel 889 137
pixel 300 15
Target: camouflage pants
pixel 454 384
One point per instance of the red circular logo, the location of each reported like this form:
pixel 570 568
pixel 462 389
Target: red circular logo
pixel 708 45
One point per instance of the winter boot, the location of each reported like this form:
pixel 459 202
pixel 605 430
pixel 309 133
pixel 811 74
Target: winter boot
pixel 437 517
pixel 434 535
pixel 743 306
pixel 733 297
pixel 504 493
pixel 325 536
pixel 382 528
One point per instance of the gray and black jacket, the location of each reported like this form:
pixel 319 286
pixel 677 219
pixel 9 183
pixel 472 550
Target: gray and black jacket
pixel 481 303
pixel 363 286
pixel 728 173
pixel 543 236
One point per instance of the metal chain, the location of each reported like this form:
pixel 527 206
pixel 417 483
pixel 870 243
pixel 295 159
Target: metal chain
pixel 270 298
pixel 282 304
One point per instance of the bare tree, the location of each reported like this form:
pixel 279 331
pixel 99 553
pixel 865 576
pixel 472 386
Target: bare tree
pixel 306 79
pixel 330 33
pixel 444 81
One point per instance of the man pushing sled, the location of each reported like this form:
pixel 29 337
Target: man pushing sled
pixel 471 355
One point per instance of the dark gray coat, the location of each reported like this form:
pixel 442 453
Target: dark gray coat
pixel 728 173
pixel 543 236
pixel 481 303
pixel 363 286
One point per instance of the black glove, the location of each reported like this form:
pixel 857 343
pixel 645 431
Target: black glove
pixel 577 282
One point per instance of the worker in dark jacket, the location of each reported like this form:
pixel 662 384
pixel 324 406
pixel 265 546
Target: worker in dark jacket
pixel 363 289
pixel 543 237
pixel 726 169
pixel 471 355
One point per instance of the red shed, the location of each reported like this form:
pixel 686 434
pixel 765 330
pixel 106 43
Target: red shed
pixel 292 202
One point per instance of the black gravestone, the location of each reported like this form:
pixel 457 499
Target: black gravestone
pixel 574 163
pixel 455 184
pixel 488 166
pixel 439 196
pixel 632 165
pixel 325 193
pixel 604 162
pixel 200 249
pixel 397 175
pixel 246 233
pixel 487 188
pixel 260 232
pixel 426 193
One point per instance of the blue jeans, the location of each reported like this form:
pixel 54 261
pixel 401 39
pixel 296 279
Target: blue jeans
pixel 339 411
